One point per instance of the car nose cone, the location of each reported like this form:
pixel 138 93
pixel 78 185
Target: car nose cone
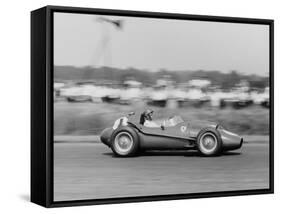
pixel 105 136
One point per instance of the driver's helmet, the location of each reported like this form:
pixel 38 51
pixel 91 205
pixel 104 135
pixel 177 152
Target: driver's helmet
pixel 148 114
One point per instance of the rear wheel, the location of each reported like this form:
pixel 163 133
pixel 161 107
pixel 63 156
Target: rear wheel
pixel 125 143
pixel 209 142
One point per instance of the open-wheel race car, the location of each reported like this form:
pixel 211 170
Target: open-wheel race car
pixel 138 132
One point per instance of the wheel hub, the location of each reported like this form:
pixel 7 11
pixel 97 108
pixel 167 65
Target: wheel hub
pixel 123 143
pixel 208 143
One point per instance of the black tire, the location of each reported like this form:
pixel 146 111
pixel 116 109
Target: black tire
pixel 125 149
pixel 209 142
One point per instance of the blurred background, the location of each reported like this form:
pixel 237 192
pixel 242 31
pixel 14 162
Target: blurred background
pixel 85 107
pixel 106 67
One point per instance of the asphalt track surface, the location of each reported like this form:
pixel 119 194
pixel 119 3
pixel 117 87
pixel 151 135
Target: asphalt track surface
pixel 90 171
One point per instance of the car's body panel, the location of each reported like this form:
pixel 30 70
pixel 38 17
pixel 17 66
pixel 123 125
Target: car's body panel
pixel 230 140
pixel 186 129
pixel 105 136
pixel 196 126
pixel 180 136
pixel 148 141
pixel 179 131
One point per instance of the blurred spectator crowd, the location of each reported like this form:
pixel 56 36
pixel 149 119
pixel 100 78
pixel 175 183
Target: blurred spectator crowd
pixel 165 93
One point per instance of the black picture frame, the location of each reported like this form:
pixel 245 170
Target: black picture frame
pixel 42 105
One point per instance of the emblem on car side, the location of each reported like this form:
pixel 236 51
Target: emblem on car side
pixel 183 128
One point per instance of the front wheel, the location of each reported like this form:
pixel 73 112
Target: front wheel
pixel 209 142
pixel 125 143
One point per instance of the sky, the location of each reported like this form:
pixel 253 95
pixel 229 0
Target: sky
pixel 154 44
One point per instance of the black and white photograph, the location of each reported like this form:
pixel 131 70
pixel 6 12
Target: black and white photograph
pixel 148 106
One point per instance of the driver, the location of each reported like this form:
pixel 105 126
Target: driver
pixel 146 119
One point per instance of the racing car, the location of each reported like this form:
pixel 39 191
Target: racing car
pixel 137 132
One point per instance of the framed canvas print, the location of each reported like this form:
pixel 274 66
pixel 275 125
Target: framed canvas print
pixel 134 106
